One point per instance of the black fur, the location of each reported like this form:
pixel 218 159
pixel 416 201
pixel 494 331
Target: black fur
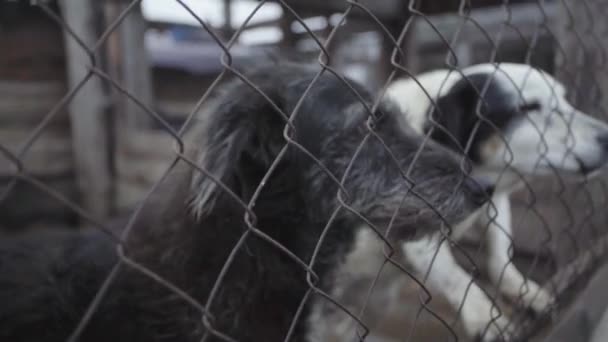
pixel 459 109
pixel 190 226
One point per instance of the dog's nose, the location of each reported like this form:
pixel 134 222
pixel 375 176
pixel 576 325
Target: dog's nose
pixel 602 139
pixel 481 189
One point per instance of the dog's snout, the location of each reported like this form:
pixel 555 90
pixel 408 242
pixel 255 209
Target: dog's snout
pixel 481 189
pixel 602 139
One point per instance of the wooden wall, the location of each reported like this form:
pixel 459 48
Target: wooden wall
pixel 32 81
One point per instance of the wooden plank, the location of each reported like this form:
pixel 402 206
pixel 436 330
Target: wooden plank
pixel 385 9
pixel 32 48
pixel 32 88
pixel 51 155
pixel 87 111
pixel 176 109
pixel 28 102
pixel 525 17
pixel 150 143
pixel 140 162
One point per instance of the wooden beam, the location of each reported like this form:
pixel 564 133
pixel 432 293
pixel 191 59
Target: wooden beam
pixel 87 111
pixel 135 68
pixel 384 10
pixel 227 29
pixel 50 156
pixel 525 17
pixel 25 103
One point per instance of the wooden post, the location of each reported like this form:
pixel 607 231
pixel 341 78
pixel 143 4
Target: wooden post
pixel 289 38
pixel 136 74
pixel 87 111
pixel 129 65
pixel 464 53
pixel 227 19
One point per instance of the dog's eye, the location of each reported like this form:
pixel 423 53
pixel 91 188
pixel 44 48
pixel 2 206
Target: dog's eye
pixel 529 106
pixel 378 115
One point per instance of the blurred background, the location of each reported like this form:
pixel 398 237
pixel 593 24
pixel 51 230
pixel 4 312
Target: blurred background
pixel 66 116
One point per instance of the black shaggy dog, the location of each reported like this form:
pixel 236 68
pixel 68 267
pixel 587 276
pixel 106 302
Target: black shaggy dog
pixel 191 225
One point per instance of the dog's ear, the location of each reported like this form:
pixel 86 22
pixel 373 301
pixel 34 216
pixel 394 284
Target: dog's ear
pixel 460 110
pixel 239 139
pixel 451 116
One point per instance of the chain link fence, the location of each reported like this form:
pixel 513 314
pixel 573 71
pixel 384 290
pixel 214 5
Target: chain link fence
pixel 116 134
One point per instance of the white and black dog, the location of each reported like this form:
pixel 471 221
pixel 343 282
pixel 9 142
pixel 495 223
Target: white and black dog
pixel 521 125
pixel 193 222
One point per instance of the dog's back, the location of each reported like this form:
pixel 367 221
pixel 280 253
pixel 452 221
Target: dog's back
pixel 219 230
pixel 47 280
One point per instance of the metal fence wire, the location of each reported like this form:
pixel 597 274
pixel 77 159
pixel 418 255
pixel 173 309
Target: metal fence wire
pixel 559 224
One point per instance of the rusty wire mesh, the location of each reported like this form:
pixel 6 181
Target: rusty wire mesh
pixel 580 228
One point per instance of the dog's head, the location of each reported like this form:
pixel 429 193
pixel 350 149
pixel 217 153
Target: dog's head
pixel 522 120
pixel 387 173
